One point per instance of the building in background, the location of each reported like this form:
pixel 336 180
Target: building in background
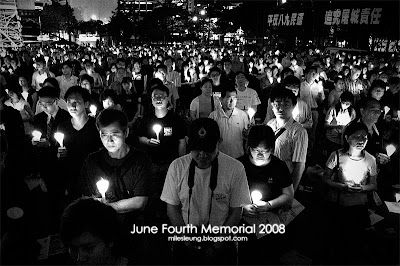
pixel 10 24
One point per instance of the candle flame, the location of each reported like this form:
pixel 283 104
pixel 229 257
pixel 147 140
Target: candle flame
pixel 387 109
pixel 102 186
pixel 251 112
pixel 390 149
pixel 256 196
pixel 36 135
pixel 60 138
pixel 93 109
pixel 157 128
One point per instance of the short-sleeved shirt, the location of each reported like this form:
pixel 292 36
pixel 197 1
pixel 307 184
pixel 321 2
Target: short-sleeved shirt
pixel 128 176
pixel 65 84
pixel 269 179
pixel 291 145
pixel 246 99
pixel 232 190
pixel 231 129
pixel 172 130
pixel 342 118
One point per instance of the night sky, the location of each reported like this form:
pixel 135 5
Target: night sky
pixel 85 9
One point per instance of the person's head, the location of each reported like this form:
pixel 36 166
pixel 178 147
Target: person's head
pixel 52 82
pixel 136 66
pixel 311 74
pixel 89 229
pixel 377 89
pixel 394 84
pixel 113 128
pixel 14 92
pixel 228 98
pixel 355 136
pixel 227 65
pixel 48 99
pixel 22 81
pixel 108 98
pixel 88 66
pixel 86 82
pixel 286 72
pixel 126 84
pixel 293 61
pixel 159 96
pixel 121 63
pixel 206 87
pixel 168 61
pixel 113 68
pixel 204 136
pixel 66 68
pixel 370 110
pixel 268 72
pixel 71 55
pixel 215 75
pixel 77 99
pixel 261 144
pixel 40 63
pixel 339 84
pixel 241 79
pixel 355 73
pixel 292 83
pixel 275 71
pixel 346 100
pixel 283 102
pixel 161 72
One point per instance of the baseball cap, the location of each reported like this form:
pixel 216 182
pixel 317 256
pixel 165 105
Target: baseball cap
pixel 203 135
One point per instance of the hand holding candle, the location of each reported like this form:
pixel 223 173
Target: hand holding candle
pixel 102 186
pixel 157 129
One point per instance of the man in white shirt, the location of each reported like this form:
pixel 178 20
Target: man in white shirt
pixel 66 80
pixel 246 97
pixel 205 187
pixel 41 74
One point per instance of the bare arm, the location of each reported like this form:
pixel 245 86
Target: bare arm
pixel 128 205
pixel 298 170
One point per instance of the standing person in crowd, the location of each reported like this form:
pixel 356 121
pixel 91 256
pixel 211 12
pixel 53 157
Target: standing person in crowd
pixel 172 75
pixel 228 74
pixel 246 97
pixel 90 231
pixel 291 138
pixel 47 122
pixel 74 63
pixel 173 96
pixel 18 102
pixel 232 123
pixel 89 70
pixel 28 93
pixel 41 74
pixel 204 104
pixel 215 193
pixel 270 176
pixel 336 119
pixel 218 84
pixel 354 85
pixel 125 168
pixel 392 96
pixel 87 82
pixel 52 82
pixel 334 95
pixel 350 173
pixel 80 139
pixel 130 102
pixel 298 71
pixel 66 80
pixel 313 94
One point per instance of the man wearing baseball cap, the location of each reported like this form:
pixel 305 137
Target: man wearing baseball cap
pixel 205 187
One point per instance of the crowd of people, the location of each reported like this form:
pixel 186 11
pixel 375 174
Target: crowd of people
pixel 182 135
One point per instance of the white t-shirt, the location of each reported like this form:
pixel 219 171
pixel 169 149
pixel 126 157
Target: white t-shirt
pixel 246 99
pixel 232 190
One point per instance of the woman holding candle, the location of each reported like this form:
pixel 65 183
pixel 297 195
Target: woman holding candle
pixel 270 176
pixel 350 173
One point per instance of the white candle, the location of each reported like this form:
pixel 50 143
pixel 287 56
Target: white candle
pixel 251 112
pixel 93 109
pixel 390 149
pixel 60 138
pixel 387 109
pixel 256 196
pixel 157 129
pixel 36 135
pixel 102 186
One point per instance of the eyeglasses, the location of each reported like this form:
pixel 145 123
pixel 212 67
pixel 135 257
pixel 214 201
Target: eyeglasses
pixel 159 97
pixel 259 151
pixel 112 135
pixel 43 104
pixel 376 112
pixel 281 104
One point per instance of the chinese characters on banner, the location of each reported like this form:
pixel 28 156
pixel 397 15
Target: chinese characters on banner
pixel 358 16
pixel 293 19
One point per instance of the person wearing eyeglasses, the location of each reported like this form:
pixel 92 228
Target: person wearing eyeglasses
pixel 270 176
pixel 46 123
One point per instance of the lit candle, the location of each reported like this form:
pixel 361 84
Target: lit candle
pixel 36 135
pixel 60 138
pixel 251 112
pixel 398 114
pixel 387 109
pixel 390 149
pixel 157 129
pixel 102 186
pixel 93 109
pixel 256 196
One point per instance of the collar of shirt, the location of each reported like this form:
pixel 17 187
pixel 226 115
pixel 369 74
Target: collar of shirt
pixel 274 124
pixel 223 114
pixel 373 127
pixel 53 115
